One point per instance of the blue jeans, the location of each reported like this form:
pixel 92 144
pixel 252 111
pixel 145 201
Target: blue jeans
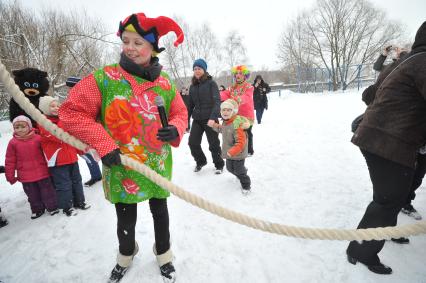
pixel 95 171
pixel 69 189
pixel 259 114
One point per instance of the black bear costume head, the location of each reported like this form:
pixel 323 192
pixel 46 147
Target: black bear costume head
pixel 31 81
pixel 34 84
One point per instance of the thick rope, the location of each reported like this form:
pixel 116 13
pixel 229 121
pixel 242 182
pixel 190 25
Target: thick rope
pixel 292 231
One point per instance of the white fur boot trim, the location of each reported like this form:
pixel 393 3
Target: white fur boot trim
pixel 126 260
pixel 163 258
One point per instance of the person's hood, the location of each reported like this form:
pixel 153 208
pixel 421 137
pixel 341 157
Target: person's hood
pixel 420 40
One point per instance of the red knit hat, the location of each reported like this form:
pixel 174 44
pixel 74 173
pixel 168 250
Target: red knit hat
pixel 151 29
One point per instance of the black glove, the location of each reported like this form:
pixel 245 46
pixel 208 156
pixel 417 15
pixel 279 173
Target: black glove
pixel 2 169
pixel 168 133
pixel 112 158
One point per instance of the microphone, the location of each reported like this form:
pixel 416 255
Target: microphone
pixel 159 101
pixel 72 81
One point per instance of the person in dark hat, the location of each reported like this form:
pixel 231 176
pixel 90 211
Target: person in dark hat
pixel 124 97
pixel 204 106
pixel 260 99
pixel 391 133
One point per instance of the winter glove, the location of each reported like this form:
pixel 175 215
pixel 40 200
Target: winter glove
pixel 1 169
pixel 112 158
pixel 168 133
pixel 12 180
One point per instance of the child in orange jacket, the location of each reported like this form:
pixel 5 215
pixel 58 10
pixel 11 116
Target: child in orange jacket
pixel 234 142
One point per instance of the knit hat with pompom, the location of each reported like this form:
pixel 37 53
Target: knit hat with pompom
pixel 230 104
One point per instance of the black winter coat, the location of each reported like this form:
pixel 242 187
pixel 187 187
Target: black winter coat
pixel 369 93
pixel 259 95
pixel 204 101
pixel 394 124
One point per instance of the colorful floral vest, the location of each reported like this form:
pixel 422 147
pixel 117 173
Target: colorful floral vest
pixel 243 94
pixel 130 117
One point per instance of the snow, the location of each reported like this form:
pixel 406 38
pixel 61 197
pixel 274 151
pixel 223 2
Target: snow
pixel 305 172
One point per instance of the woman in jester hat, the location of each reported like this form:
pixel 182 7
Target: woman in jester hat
pixel 242 92
pixel 116 113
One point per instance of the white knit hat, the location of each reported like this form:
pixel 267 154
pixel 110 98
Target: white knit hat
pixel 230 104
pixel 44 104
pixel 22 118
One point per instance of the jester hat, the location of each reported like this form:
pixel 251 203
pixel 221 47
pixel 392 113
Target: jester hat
pixel 241 69
pixel 151 29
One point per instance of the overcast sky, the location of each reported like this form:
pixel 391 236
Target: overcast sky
pixel 260 22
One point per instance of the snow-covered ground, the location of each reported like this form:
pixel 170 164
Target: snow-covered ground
pixel 305 172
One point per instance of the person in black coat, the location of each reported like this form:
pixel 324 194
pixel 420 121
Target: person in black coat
pixel 368 96
pixel 259 97
pixel 204 106
pixel 390 135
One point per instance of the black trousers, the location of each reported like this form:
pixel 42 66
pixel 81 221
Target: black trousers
pixel 391 187
pixel 250 140
pixel 196 135
pixel 237 168
pixel 126 223
pixel 419 173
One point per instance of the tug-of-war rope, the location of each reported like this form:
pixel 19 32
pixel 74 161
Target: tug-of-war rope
pixel 292 231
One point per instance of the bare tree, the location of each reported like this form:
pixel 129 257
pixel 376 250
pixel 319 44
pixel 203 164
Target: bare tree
pixel 176 60
pixel 294 51
pixel 336 35
pixel 199 43
pixel 234 49
pixel 61 44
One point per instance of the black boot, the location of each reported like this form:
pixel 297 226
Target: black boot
pixel 378 268
pixel 3 222
pixel 69 211
pixel 401 240
pixel 199 166
pixel 117 273
pixel 91 182
pixel 123 264
pixel 82 206
pixel 167 269
pixel 37 215
pixel 168 272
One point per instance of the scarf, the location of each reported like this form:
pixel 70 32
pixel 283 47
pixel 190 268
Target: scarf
pixel 150 73
pixel 27 136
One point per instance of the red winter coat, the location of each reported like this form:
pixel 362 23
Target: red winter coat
pixel 57 152
pixel 25 157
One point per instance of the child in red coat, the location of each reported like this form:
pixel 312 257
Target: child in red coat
pixel 62 162
pixel 25 157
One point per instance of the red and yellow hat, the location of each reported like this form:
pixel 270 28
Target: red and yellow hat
pixel 151 29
